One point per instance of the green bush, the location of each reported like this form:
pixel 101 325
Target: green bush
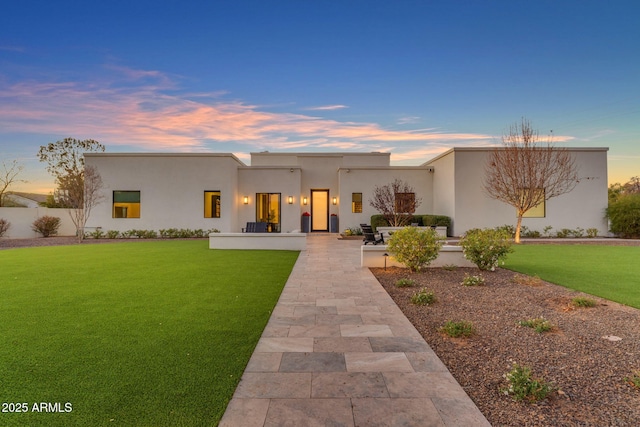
pixel 378 221
pixel 486 248
pixel 472 280
pixel 46 225
pixel 414 247
pixel 592 232
pixel 4 226
pixel 539 324
pixel 624 216
pixel 405 283
pixel 583 302
pixel 113 234
pixel 458 329
pixel 523 387
pixel 437 221
pixel 423 297
pixel 96 234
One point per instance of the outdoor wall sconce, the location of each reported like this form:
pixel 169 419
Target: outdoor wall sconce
pixel 304 200
pixel 246 200
pixel 290 200
pixel 335 200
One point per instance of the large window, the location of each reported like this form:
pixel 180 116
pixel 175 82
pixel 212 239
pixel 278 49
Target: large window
pixel 268 210
pixel 356 202
pixel 126 204
pixel 212 204
pixel 538 211
pixel 405 202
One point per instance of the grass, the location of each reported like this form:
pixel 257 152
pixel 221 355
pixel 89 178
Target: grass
pixel 458 329
pixel 610 272
pixel 134 334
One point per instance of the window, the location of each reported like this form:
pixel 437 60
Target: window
pixel 405 202
pixel 268 210
pixel 212 204
pixel 356 202
pixel 126 204
pixel 538 211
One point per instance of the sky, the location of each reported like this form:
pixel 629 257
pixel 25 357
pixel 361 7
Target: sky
pixel 413 78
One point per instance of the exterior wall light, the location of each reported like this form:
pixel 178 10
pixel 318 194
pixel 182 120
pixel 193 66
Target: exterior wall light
pixel 246 200
pixel 290 200
pixel 304 200
pixel 335 200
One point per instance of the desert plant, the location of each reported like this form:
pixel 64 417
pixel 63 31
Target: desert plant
pixel 472 280
pixel 113 234
pixel 486 248
pixel 4 226
pixel 405 283
pixel 423 297
pixel 539 324
pixel 583 302
pixel 563 233
pixel 634 379
pixel 523 387
pixel 414 247
pixel 46 225
pixel 578 232
pixel 458 329
pixel 546 231
pixel 96 234
pixel 592 232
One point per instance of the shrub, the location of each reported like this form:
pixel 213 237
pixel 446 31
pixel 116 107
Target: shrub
pixel 113 234
pixel 578 232
pixel 405 283
pixel 4 226
pixel 458 329
pixel 563 234
pixel 592 232
pixel 437 221
pixel 423 297
pixel 583 302
pixel 472 280
pixel 624 216
pixel 97 234
pixel 414 247
pixel 450 267
pixel 378 221
pixel 523 387
pixel 539 324
pixel 46 225
pixel 509 230
pixel 486 248
pixel 546 231
pixel 634 379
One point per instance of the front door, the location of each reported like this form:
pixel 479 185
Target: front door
pixel 320 210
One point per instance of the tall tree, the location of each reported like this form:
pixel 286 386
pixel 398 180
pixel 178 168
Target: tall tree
pixel 9 176
pixel 78 187
pixel 396 202
pixel 528 170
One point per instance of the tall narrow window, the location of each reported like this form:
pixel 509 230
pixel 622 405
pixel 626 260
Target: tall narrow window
pixel 405 202
pixel 356 202
pixel 268 210
pixel 212 204
pixel 126 204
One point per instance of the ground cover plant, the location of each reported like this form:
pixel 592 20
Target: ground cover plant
pixel 151 333
pixel 611 272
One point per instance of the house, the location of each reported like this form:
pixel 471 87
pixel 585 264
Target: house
pixel 154 191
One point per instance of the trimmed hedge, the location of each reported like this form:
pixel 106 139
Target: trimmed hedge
pixel 422 220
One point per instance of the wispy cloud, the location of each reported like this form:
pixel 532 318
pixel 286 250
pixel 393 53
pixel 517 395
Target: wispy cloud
pixel 144 109
pixel 326 107
pixel 408 120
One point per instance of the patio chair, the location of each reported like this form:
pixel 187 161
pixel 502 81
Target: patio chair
pixel 370 236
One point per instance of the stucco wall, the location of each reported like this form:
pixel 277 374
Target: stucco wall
pixel 21 220
pixel 444 187
pixel 583 207
pixel 171 189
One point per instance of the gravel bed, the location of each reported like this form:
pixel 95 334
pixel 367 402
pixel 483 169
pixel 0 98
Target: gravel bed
pixel 586 369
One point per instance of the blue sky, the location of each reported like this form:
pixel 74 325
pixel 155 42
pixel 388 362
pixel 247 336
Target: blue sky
pixel 410 77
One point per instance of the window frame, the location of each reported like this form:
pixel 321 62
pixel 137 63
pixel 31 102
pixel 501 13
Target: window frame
pixel 215 211
pixel 356 205
pixel 126 204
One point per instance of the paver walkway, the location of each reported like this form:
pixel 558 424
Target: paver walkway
pixel 337 351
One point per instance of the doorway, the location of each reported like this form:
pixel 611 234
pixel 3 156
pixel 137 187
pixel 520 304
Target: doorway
pixel 320 210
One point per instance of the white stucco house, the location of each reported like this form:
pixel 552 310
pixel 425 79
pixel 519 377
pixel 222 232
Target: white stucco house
pixel 154 191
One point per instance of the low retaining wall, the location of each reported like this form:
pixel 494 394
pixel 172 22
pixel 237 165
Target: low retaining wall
pixel 21 220
pixel 268 241
pixel 373 256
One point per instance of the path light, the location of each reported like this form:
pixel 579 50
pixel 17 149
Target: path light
pixel 386 255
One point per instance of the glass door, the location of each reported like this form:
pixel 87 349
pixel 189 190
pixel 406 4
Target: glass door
pixel 268 210
pixel 320 210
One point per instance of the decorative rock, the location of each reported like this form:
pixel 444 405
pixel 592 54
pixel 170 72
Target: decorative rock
pixel 612 338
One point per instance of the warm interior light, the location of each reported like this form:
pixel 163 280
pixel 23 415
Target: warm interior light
pixel 304 200
pixel 290 200
pixel 335 200
pixel 246 200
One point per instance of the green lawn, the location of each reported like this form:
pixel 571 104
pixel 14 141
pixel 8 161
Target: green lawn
pixel 131 334
pixel 611 272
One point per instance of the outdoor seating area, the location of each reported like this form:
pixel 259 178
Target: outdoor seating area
pixel 255 227
pixel 370 236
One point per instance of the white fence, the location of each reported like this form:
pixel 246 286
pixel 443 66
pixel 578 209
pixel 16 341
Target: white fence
pixel 21 220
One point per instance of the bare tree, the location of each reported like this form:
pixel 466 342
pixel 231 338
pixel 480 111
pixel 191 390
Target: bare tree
pixel 8 177
pixel 527 170
pixel 396 202
pixel 79 187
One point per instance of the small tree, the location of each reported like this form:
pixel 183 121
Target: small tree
pixel 528 170
pixel 396 202
pixel 9 176
pixel 79 187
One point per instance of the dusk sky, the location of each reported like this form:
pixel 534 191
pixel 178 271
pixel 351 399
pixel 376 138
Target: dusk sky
pixel 413 78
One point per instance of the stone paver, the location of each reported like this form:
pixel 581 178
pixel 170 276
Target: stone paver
pixel 337 351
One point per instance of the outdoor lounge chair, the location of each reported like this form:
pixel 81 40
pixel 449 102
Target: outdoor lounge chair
pixel 255 227
pixel 370 236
